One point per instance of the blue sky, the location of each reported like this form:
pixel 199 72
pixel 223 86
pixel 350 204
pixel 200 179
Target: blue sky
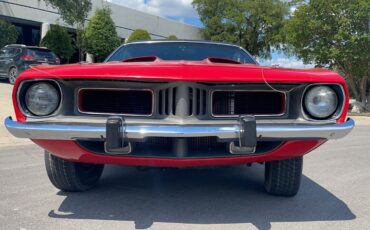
pixel 191 21
pixel 183 11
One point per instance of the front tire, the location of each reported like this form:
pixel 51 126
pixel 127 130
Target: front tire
pixel 12 74
pixel 71 176
pixel 283 178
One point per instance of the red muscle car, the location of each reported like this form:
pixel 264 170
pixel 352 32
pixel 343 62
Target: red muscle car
pixel 178 104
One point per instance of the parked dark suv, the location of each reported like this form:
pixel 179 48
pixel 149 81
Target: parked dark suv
pixel 14 59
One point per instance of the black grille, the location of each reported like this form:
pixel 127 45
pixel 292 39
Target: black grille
pixel 205 144
pixel 194 144
pixel 116 101
pixel 164 147
pixel 226 103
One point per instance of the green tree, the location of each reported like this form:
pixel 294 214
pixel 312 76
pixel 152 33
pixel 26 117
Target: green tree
pixel 255 25
pixel 59 41
pixel 172 37
pixel 139 35
pixel 101 35
pixel 335 34
pixel 74 13
pixel 8 33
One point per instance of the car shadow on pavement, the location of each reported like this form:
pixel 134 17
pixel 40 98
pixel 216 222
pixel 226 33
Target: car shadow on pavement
pixel 198 196
pixel 4 81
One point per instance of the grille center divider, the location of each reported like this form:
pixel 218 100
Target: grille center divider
pixel 180 145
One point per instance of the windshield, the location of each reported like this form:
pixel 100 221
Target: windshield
pixel 190 51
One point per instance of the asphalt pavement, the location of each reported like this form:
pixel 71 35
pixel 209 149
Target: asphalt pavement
pixel 335 192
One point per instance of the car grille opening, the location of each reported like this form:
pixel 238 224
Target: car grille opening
pixel 234 103
pixel 116 101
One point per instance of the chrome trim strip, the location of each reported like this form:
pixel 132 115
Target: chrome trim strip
pixel 114 89
pixel 167 121
pixel 241 90
pixel 50 131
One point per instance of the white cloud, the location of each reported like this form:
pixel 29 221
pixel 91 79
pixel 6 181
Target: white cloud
pixel 165 8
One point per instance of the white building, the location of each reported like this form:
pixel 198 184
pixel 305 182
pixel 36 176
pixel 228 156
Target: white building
pixel 33 18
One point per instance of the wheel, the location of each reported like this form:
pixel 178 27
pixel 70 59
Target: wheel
pixel 71 176
pixel 283 177
pixel 12 74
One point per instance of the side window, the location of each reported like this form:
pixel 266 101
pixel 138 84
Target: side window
pixel 237 57
pixel 13 52
pixel 18 51
pixel 3 53
pixel 8 52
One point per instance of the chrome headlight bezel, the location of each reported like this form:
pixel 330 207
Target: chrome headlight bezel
pixel 22 92
pixel 340 97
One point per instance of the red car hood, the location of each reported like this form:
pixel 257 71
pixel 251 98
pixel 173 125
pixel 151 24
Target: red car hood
pixel 199 71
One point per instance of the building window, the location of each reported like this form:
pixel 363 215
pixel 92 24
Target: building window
pixel 36 37
pixel 20 35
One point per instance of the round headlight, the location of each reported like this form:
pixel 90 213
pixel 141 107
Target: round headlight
pixel 42 99
pixel 321 102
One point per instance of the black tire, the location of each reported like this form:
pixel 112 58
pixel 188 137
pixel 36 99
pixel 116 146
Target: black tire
pixel 283 178
pixel 71 176
pixel 12 75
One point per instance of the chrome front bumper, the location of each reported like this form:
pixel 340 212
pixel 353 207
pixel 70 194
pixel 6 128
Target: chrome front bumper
pixel 57 131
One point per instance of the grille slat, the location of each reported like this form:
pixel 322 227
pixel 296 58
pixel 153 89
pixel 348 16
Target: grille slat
pixel 201 111
pixel 171 101
pixel 160 103
pixel 164 102
pixel 194 102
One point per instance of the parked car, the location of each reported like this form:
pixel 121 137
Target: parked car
pixel 14 59
pixel 178 104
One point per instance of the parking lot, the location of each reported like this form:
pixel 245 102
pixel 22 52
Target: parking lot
pixel 335 192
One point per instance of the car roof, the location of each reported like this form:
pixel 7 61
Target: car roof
pixel 24 46
pixel 182 40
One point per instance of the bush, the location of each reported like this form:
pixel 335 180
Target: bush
pixel 101 35
pixel 139 35
pixel 59 41
pixel 8 33
pixel 172 37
